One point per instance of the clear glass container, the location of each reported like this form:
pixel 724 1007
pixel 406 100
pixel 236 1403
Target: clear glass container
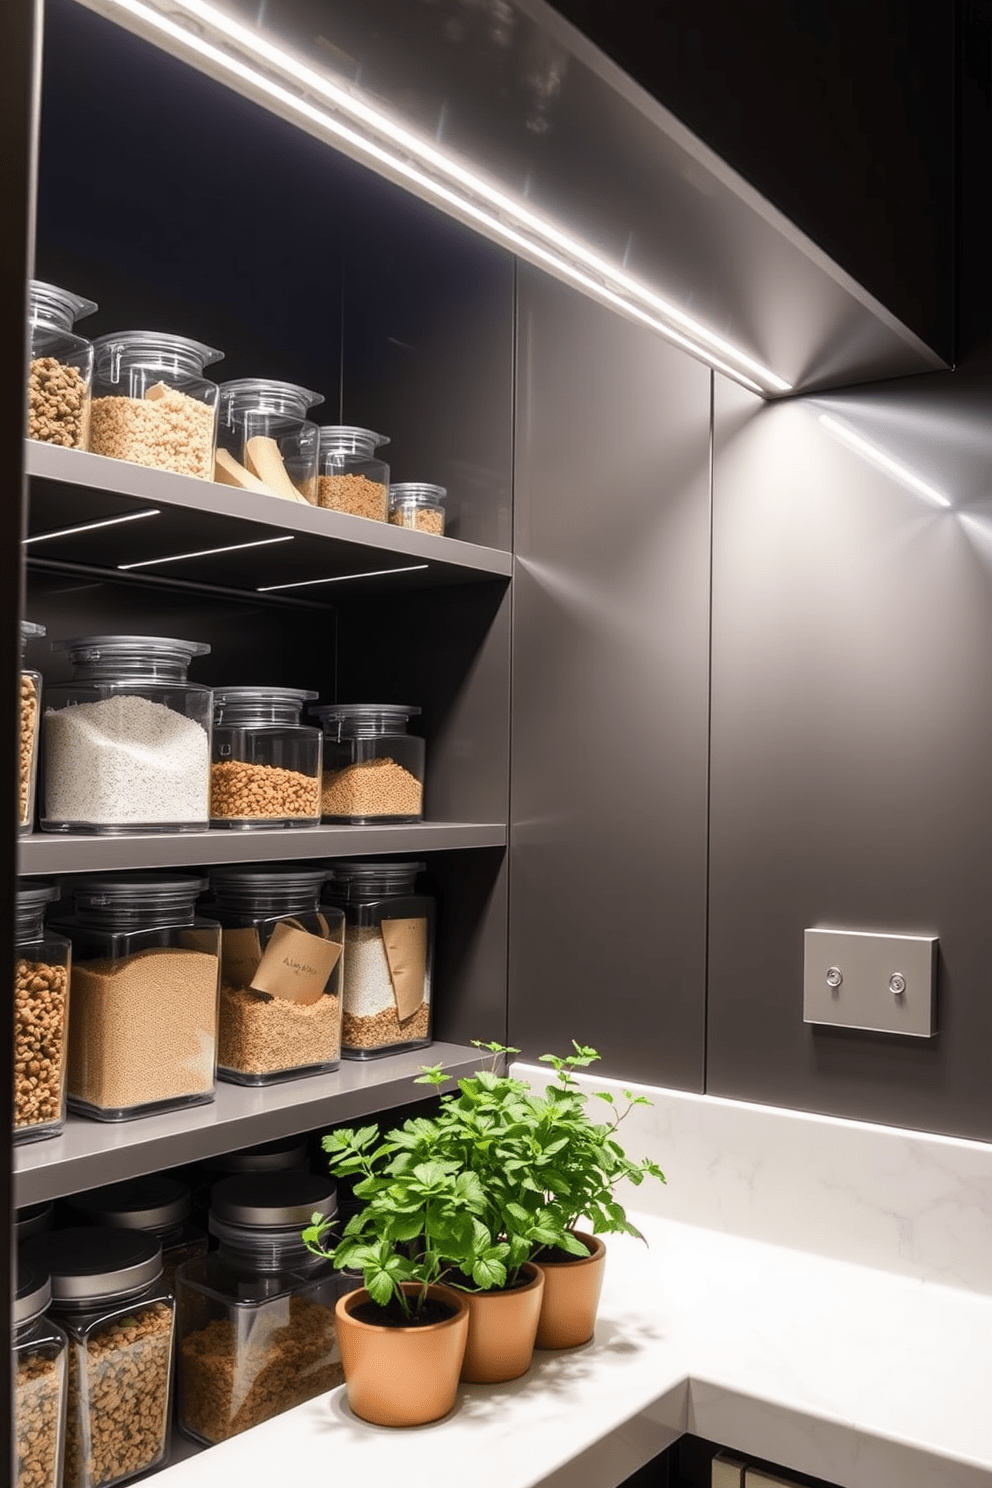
pixel 266 769
pixel 350 477
pixel 155 1204
pixel 108 1296
pixel 263 433
pixel 41 1017
pixel 30 723
pixel 143 1032
pixel 256 1319
pixel 60 369
pixel 280 1000
pixel 373 769
pixel 40 1374
pixel 152 404
pixel 127 741
pixel 417 505
pixel 389 935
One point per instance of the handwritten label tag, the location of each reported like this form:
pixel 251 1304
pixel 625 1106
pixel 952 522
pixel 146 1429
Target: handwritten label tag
pixel 405 942
pixel 240 953
pixel 296 965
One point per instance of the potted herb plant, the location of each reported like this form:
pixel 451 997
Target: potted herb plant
pixel 402 1335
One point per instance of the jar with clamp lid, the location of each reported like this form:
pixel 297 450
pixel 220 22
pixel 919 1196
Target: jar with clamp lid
pixel 280 1001
pixel 143 1032
pixel 155 1204
pixel 60 369
pixel 41 1017
pixel 389 960
pixel 40 1376
pixel 108 1296
pixel 418 505
pixel 373 769
pixel 265 441
pixel 152 404
pixel 256 1319
pixel 351 478
pixel 266 769
pixel 127 741
pixel 30 722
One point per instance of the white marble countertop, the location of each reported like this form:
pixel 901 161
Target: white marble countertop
pixel 866 1378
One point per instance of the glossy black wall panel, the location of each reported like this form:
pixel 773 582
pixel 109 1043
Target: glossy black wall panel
pixel 608 801
pixel 851 718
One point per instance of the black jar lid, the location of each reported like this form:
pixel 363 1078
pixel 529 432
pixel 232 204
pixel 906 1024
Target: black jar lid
pixel 33 1219
pixel 96 1263
pixel 34 1291
pixel 106 892
pixel 273 1200
pixel 286 1154
pixel 33 895
pixel 148 1203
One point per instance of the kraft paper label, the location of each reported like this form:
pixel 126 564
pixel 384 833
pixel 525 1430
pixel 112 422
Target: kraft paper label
pixel 406 952
pixel 240 953
pixel 296 965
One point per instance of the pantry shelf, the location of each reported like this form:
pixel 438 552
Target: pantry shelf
pixel 43 854
pixel 272 548
pixel 91 1153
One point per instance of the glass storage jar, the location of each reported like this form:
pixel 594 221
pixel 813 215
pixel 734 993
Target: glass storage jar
pixel 39 1369
pixel 280 1000
pixel 143 1032
pixel 108 1295
pixel 389 934
pixel 373 769
pixel 155 1204
pixel 127 741
pixel 263 433
pixel 350 476
pixel 266 769
pixel 41 1017
pixel 256 1318
pixel 285 1155
pixel 30 723
pixel 152 404
pixel 60 369
pixel 417 505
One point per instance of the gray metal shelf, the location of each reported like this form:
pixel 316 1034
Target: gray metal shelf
pixel 309 553
pixel 90 1153
pixel 51 853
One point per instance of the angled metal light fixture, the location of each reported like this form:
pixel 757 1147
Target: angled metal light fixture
pixel 342 113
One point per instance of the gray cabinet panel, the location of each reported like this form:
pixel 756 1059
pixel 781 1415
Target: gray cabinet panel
pixel 852 711
pixel 609 702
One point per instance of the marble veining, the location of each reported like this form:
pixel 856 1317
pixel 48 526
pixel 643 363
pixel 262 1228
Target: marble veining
pixel 898 1200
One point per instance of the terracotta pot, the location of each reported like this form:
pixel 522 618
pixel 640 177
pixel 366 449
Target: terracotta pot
pixel 571 1296
pixel 502 1327
pixel 402 1376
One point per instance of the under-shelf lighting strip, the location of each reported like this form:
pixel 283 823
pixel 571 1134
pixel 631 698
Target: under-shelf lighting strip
pixel 375 573
pixel 90 526
pixel 262 542
pixel 536 237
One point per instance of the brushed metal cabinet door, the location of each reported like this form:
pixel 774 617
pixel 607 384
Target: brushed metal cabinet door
pixel 609 691
pixel 852 713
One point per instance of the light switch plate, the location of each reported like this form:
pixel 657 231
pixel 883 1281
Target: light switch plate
pixel 885 983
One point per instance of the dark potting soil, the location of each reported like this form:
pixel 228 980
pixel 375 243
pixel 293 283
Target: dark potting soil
pixel 432 1310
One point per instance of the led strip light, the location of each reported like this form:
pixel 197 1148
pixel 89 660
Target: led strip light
pixel 882 460
pixel 537 238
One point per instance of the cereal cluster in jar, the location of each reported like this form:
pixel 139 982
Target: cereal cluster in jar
pixel 58 403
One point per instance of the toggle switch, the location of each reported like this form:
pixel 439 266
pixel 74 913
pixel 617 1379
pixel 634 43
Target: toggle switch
pixel 884 983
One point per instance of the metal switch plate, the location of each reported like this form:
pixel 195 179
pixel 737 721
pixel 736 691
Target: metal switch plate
pixel 886 983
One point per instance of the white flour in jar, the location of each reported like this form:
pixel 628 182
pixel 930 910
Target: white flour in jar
pixel 125 760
